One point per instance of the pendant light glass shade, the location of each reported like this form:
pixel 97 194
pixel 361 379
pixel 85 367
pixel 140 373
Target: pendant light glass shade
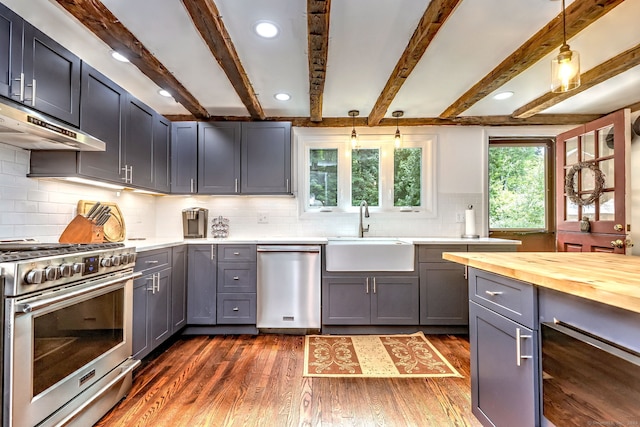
pixel 565 67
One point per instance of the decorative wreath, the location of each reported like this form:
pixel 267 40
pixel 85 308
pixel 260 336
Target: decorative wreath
pixel 569 183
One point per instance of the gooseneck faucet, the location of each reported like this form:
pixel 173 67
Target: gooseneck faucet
pixel 361 229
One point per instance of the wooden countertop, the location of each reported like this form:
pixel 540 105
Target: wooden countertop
pixel 606 278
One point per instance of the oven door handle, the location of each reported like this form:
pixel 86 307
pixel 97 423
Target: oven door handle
pixel 39 304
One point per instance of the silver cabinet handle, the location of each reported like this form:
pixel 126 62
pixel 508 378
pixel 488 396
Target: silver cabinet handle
pixel 130 174
pixel 367 287
pixel 236 278
pixel 519 338
pixel 157 282
pixel 287 185
pixel 213 256
pixel 155 261
pixel 466 272
pixel 374 285
pixel 236 184
pixel 236 309
pixel 33 93
pixel 493 293
pixel 236 253
pixel 20 93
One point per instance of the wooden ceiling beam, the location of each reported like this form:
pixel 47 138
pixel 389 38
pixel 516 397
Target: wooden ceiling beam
pixel 539 119
pixel 97 18
pixel 432 20
pixel 579 15
pixel 208 21
pixel 608 69
pixel 318 47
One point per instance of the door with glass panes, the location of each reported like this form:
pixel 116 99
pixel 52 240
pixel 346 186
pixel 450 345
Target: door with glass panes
pixel 592 167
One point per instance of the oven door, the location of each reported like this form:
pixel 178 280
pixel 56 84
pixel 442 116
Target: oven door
pixel 587 380
pixel 60 343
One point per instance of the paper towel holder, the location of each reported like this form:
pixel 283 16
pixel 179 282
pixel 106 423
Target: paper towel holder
pixel 470 224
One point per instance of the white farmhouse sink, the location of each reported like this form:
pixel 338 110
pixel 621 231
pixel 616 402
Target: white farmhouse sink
pixel 369 254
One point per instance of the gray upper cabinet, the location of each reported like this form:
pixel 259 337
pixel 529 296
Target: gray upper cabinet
pixel 161 148
pixel 10 52
pixel 138 144
pixel 184 157
pixel 219 158
pixel 266 158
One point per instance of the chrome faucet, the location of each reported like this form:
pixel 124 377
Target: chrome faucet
pixel 361 229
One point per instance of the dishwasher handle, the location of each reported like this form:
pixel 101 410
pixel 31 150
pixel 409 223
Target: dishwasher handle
pixel 289 248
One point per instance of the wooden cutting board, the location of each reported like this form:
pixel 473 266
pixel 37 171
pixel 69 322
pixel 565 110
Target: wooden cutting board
pixel 114 228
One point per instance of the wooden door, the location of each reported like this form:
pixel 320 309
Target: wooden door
pixel 592 181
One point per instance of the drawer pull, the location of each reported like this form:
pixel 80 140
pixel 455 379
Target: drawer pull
pixel 236 278
pixel 152 262
pixel 519 355
pixel 236 309
pixel 236 253
pixel 493 293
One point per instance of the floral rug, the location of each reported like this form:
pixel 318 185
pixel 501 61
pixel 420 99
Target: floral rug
pixel 379 356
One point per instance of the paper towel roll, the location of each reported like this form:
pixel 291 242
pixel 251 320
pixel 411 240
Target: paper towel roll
pixel 470 222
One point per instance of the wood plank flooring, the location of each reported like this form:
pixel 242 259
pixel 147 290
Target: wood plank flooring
pixel 257 381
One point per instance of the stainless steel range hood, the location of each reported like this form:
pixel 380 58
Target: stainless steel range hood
pixel 26 128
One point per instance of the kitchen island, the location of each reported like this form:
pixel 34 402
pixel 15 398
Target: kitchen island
pixel 554 335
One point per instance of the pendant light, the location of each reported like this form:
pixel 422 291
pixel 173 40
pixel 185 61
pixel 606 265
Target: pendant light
pixel 354 135
pixel 565 68
pixel 397 139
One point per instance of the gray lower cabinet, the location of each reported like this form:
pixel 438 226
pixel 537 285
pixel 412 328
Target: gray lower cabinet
pixel 370 300
pixel 201 285
pixel 178 288
pixel 504 351
pixel 151 301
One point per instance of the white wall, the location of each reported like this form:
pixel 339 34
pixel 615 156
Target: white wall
pixel 42 208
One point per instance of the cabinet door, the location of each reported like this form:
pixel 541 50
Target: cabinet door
pixel 52 77
pixel 161 141
pixel 444 294
pixel 179 288
pixel 160 308
pixel 10 53
pixel 218 158
pixel 141 340
pixel 138 143
pixel 346 301
pixel 394 301
pixel 266 158
pixel 201 285
pixel 102 109
pixel 184 157
pixel 502 393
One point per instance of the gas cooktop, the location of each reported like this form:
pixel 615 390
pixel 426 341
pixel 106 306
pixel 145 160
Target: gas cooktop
pixel 18 251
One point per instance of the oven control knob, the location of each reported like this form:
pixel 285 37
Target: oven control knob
pixel 52 273
pixel 115 260
pixel 105 262
pixel 66 270
pixel 78 268
pixel 35 276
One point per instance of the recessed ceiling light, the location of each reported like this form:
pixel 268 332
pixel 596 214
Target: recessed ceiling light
pixel 503 95
pixel 282 96
pixel 119 57
pixel 266 29
pixel 164 93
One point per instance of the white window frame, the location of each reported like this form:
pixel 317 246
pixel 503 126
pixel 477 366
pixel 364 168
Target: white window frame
pixel 385 143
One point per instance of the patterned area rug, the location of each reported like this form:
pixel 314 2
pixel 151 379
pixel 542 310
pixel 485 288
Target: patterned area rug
pixel 380 356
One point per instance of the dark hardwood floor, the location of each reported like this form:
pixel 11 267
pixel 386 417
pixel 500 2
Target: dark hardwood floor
pixel 257 381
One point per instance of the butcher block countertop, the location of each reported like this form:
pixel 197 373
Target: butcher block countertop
pixel 607 278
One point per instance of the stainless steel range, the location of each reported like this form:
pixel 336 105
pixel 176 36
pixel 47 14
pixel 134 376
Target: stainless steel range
pixel 67 331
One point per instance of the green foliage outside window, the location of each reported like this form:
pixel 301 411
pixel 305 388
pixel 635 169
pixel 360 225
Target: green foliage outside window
pixel 365 176
pixel 516 187
pixel 407 177
pixel 323 177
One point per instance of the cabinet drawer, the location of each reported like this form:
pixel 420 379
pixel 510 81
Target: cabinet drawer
pixel 237 253
pixel 513 299
pixel 237 308
pixel 236 277
pixel 493 248
pixel 149 261
pixel 427 253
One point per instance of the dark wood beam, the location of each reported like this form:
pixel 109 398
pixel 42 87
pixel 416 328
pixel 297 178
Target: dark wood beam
pixel 97 18
pixel 601 73
pixel 208 21
pixel 579 15
pixel 318 46
pixel 432 20
pixel 539 119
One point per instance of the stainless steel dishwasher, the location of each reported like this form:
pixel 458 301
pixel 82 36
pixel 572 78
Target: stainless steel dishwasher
pixel 288 291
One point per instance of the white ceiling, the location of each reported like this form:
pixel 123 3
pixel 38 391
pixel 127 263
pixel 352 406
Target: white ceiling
pixel 366 39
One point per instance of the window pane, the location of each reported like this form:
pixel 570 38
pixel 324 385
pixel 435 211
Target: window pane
pixel 365 176
pixel 588 147
pixel 605 141
pixel 571 153
pixel 517 187
pixel 323 177
pixel 407 176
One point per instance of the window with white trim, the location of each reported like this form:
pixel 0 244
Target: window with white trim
pixel 337 177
